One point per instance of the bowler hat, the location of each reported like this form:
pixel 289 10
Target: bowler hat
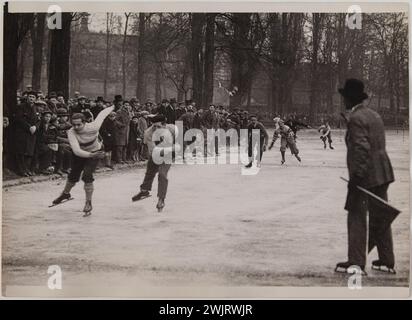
pixel 99 99
pixel 353 89
pixel 118 98
pixel 52 95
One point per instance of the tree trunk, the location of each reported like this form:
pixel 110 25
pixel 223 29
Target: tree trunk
pixel 158 90
pixel 21 64
pixel 127 15
pixel 140 89
pixel 316 37
pixel 209 62
pixel 60 57
pixel 37 37
pixel 197 23
pixel 241 58
pixel 107 60
pixel 15 27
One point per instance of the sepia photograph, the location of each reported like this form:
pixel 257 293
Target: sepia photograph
pixel 200 150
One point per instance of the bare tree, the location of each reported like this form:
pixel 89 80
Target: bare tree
pixel 60 56
pixel 140 88
pixel 37 37
pixel 124 51
pixel 16 26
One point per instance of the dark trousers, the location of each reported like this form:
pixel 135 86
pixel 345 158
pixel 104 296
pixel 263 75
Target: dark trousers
pixel 121 152
pixel 151 170
pixel 358 205
pixel 22 163
pixel 45 157
pixel 251 147
pixel 85 165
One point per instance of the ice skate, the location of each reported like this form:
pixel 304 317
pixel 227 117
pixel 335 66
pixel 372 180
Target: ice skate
pixel 87 209
pixel 160 205
pixel 282 161
pixel 345 267
pixel 249 165
pixel 330 146
pixel 64 197
pixel 380 266
pixel 297 157
pixel 141 195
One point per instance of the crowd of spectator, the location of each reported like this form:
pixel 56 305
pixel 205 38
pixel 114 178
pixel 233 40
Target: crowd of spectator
pixel 35 134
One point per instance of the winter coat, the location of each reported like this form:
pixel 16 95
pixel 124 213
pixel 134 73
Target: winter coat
pixel 24 118
pixel 367 159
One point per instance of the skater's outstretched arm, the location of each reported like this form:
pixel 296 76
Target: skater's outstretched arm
pixel 97 123
pixel 274 138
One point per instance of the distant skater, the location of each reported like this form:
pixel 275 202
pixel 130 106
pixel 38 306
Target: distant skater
pixel 326 134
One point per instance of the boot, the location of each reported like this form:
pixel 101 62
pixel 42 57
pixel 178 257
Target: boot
pixel 283 157
pixel 61 198
pixel 160 204
pixel 297 157
pixel 249 165
pixel 141 195
pixel 343 267
pixel 381 266
pixel 87 208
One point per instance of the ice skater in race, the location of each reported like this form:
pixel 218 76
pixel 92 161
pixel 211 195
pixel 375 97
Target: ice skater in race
pixel 295 125
pixel 87 151
pixel 287 139
pixel 326 134
pixel 160 139
pixel 257 138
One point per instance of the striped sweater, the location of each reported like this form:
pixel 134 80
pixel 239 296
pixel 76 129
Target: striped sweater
pixel 86 141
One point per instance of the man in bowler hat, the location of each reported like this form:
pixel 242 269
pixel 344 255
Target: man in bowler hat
pixel 369 167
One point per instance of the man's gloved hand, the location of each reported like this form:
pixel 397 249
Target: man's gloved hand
pixel 98 155
pixel 271 146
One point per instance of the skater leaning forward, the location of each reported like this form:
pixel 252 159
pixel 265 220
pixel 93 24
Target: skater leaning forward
pixel 87 150
pixel 369 167
pixel 287 139
pixel 256 134
pixel 160 140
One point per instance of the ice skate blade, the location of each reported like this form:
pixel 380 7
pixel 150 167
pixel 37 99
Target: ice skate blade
pixel 53 205
pixel 87 214
pixel 384 269
pixel 142 198
pixel 346 271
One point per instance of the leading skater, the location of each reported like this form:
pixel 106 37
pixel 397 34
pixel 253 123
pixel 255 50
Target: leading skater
pixel 287 139
pixel 87 150
pixel 164 147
